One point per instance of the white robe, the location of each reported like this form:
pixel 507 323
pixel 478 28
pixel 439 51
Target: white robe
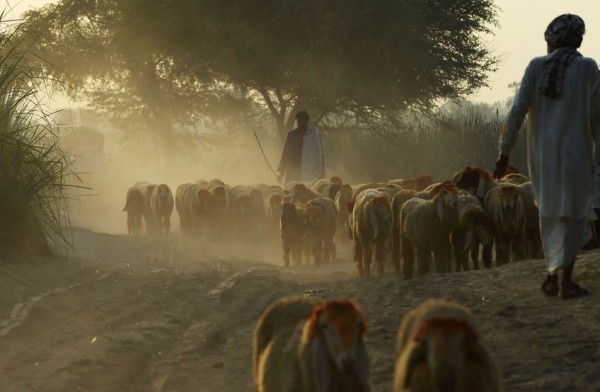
pixel 562 139
pixel 313 162
pixel 561 136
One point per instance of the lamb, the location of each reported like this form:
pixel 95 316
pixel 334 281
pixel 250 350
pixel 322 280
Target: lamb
pixel 307 345
pixel 425 226
pixel 473 227
pixel 439 348
pixel 161 203
pixel 504 206
pixel 135 203
pixel 320 217
pixel 371 225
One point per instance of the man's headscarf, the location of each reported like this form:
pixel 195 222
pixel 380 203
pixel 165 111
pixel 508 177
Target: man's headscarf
pixel 563 36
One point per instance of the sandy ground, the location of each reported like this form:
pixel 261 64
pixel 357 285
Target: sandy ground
pixel 125 314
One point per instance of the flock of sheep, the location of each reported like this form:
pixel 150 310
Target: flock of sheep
pixel 409 220
pixel 310 345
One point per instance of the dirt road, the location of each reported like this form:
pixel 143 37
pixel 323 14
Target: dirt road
pixel 125 314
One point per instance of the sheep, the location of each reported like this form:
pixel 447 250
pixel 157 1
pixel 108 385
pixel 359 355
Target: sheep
pixel 343 217
pixel 147 188
pixel 425 226
pixel 371 225
pixel 514 178
pixel 273 199
pixel 475 180
pixel 161 203
pixel 473 227
pixel 293 229
pixel 439 348
pixel 305 344
pixel 533 238
pixel 219 205
pixel 193 204
pixel 422 182
pixel 242 211
pixel 504 206
pixel 398 201
pixel 320 216
pixel 300 193
pixel 135 202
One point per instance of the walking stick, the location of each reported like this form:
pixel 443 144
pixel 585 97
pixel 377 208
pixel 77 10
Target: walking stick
pixel 265 156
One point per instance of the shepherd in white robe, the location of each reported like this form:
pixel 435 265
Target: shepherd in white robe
pixel 560 93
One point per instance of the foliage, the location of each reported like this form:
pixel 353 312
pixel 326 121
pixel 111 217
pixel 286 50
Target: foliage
pixel 162 62
pixel 33 170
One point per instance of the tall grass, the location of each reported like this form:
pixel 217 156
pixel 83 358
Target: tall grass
pixel 34 171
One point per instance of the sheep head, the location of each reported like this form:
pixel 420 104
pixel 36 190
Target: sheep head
pixel 509 198
pixel 422 182
pixel 335 334
pixel 202 198
pixel 440 349
pixel 313 214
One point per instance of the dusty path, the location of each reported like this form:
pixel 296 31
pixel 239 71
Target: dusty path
pixel 139 315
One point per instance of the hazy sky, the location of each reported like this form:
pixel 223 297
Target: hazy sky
pixel 518 38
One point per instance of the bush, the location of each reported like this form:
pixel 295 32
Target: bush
pixel 33 170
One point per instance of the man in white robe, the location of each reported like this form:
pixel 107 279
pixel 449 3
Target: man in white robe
pixel 560 92
pixel 302 158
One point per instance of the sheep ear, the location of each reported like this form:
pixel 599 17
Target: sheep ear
pixel 321 366
pixel 374 222
pixel 416 356
pixel 362 363
pixel 440 208
pixel 468 240
pixel 481 187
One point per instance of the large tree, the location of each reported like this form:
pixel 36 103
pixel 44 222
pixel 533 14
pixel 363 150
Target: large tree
pixel 330 57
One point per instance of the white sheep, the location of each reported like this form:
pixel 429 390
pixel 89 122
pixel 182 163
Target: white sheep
pixel 306 345
pixel 425 226
pixel 439 348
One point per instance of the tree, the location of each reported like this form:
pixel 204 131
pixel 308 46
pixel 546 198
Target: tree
pixel 331 57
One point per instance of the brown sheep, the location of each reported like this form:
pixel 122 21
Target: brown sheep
pixel 425 226
pixel 135 202
pixel 504 206
pixel 161 203
pixel 473 228
pixel 307 345
pixel 439 348
pixel 321 217
pixel 533 238
pixel 300 193
pixel 371 226
pixel 475 180
pixel 515 179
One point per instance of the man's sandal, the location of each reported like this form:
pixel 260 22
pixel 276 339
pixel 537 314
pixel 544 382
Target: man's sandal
pixel 550 286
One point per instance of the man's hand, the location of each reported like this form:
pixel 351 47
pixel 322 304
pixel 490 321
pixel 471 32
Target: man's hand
pixel 501 165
